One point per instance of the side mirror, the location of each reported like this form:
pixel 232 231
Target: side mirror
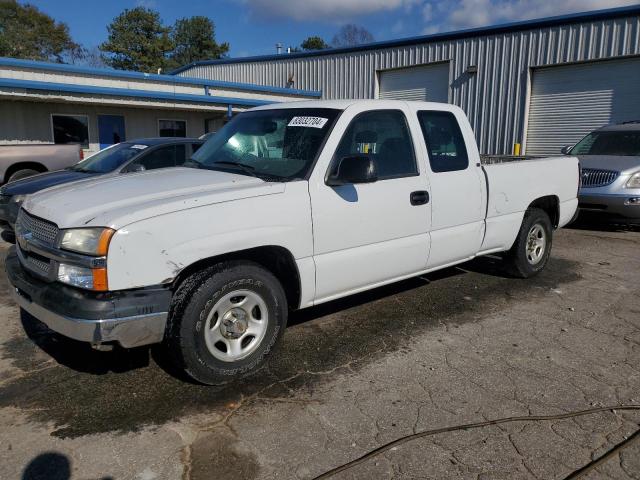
pixel 566 149
pixel 353 169
pixel 138 167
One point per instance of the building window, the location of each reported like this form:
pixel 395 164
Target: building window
pixel 172 128
pixel 70 129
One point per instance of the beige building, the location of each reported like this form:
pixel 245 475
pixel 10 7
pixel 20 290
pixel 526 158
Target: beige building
pixel 53 103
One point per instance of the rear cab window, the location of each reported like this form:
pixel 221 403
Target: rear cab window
pixel 444 141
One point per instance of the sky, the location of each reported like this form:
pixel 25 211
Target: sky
pixel 253 27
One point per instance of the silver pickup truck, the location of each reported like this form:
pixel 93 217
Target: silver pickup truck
pixel 20 161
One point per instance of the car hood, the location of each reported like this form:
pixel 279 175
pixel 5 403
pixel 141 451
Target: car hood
pixel 118 201
pixel 619 163
pixel 43 180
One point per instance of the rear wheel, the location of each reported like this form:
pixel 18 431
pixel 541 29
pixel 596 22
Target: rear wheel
pixel 225 320
pixel 532 248
pixel 20 174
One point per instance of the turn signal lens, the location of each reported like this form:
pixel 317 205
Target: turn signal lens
pixel 100 280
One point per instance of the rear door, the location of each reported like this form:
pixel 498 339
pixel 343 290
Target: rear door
pixel 457 187
pixel 369 234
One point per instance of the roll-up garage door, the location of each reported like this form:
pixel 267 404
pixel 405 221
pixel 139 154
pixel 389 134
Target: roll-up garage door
pixel 427 82
pixel 568 102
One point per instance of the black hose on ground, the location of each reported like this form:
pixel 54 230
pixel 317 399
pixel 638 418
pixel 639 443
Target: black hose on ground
pixel 532 418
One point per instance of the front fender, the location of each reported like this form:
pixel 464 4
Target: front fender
pixel 155 250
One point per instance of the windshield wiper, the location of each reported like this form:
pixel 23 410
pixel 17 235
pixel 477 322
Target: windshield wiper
pixel 244 167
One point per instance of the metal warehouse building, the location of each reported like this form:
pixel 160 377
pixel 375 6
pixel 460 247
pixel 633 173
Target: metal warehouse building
pixel 53 103
pixel 541 84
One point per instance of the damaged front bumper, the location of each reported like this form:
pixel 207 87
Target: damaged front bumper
pixel 129 317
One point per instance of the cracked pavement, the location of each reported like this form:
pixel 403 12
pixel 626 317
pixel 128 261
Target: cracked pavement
pixel 454 347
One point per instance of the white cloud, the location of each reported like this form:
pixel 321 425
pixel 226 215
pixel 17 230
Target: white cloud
pixel 327 10
pixel 476 13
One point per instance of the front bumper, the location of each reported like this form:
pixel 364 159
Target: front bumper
pixel 8 215
pixel 613 205
pixel 130 317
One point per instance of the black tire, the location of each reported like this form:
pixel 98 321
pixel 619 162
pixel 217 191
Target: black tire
pixel 192 304
pixel 24 173
pixel 521 261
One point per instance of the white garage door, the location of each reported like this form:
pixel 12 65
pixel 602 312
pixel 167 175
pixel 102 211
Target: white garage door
pixel 428 82
pixel 568 102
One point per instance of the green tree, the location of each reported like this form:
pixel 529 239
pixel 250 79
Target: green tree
pixel 195 39
pixel 138 41
pixel 314 43
pixel 26 32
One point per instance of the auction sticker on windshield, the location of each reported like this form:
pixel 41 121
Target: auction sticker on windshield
pixel 313 122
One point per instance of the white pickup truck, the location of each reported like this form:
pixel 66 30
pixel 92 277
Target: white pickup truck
pixel 288 206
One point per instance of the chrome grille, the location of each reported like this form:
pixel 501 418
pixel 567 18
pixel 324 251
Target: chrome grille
pixel 593 177
pixel 39 229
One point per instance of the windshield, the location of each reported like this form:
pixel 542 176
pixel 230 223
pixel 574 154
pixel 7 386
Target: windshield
pixel 625 143
pixel 275 145
pixel 110 158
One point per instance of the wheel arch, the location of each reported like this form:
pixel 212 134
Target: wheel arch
pixel 23 166
pixel 549 204
pixel 278 260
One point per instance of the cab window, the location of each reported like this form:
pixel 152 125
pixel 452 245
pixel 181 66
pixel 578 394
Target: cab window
pixel 384 136
pixel 445 144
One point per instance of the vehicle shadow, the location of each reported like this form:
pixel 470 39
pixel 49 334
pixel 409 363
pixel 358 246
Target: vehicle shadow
pixel 603 224
pixel 81 357
pixel 50 466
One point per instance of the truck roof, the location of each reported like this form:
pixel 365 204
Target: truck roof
pixel 633 126
pixel 344 104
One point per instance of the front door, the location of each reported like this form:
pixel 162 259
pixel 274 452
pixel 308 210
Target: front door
pixel 370 234
pixel 110 130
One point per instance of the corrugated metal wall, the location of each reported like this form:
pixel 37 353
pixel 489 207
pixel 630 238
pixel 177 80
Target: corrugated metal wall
pixel 494 99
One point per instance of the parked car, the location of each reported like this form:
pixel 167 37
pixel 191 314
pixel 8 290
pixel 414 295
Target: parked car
pixel 610 160
pixel 210 258
pixel 207 135
pixel 21 160
pixel 133 156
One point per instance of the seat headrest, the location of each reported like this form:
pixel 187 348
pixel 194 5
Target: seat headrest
pixel 366 136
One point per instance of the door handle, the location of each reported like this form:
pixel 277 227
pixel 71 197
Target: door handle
pixel 421 197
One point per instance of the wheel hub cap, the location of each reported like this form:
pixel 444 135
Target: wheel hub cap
pixel 234 323
pixel 536 244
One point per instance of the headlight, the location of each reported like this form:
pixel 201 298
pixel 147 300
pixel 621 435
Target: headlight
pixel 91 241
pixel 634 181
pixel 88 278
pixel 18 199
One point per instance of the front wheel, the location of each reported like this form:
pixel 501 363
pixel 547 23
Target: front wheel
pixel 225 320
pixel 532 248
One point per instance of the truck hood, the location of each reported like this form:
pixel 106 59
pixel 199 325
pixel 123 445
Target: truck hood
pixel 118 201
pixel 619 163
